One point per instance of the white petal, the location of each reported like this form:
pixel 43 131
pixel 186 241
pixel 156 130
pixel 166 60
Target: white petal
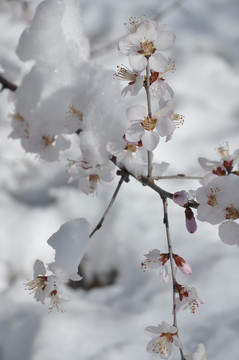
pixel 39 268
pixel 153 331
pixel 165 126
pixel 229 232
pixel 136 112
pixel 150 140
pixel 158 62
pixel 165 40
pixel 134 132
pixel 147 31
pixel 137 61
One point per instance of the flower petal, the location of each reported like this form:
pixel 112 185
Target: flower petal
pixel 136 112
pixel 137 61
pixel 150 140
pixel 134 132
pixel 158 62
pixel 229 232
pixel 164 40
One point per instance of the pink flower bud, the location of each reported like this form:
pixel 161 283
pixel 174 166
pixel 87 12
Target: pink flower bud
pixel 182 264
pixel 180 198
pixel 191 224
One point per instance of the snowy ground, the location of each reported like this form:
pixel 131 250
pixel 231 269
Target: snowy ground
pixel 108 322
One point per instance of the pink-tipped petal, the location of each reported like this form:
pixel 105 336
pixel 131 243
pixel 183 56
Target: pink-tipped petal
pixel 180 198
pixel 191 224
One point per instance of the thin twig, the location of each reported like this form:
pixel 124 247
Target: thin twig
pixel 147 85
pixel 6 84
pixel 170 250
pixel 150 183
pixel 123 178
pixel 178 176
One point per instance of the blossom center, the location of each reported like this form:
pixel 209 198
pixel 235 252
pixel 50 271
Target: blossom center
pixel 147 48
pixel 148 123
pixel 212 200
pixel 232 213
pixel 47 141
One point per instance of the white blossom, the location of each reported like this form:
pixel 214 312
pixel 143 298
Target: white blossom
pixel 155 260
pixel 145 43
pixel 134 79
pixel 187 298
pixel 200 354
pixel 149 129
pixel 228 163
pixel 219 203
pixel 163 336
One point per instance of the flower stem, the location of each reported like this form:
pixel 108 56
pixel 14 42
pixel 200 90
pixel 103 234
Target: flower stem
pixel 123 178
pixel 178 176
pixel 147 85
pixel 170 250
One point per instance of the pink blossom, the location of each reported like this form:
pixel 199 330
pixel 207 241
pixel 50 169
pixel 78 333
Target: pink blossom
pixel 182 264
pixel 181 198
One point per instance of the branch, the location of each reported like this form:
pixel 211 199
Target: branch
pixel 6 84
pixel 166 222
pixel 163 193
pixel 124 177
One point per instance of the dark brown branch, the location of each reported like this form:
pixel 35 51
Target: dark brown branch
pixel 6 84
pixel 163 193
pixel 124 177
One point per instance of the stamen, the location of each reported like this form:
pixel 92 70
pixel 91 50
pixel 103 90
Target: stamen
pixel 223 150
pixel 134 23
pixel 124 73
pixel 177 119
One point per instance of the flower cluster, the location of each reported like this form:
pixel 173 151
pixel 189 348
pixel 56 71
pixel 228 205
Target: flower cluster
pixel 219 196
pixel 144 46
pixel 155 260
pixel 163 336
